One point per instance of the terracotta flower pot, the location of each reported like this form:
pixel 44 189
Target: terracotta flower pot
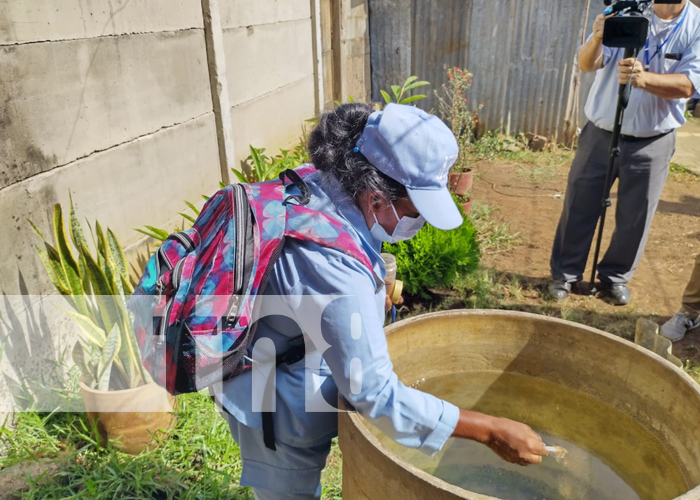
pixel 461 183
pixel 130 418
pixel 467 206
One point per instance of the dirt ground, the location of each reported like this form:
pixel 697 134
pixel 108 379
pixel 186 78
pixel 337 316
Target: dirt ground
pixel 529 198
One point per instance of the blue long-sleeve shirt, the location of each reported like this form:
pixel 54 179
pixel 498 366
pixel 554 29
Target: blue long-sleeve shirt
pixel 349 356
pixel 648 115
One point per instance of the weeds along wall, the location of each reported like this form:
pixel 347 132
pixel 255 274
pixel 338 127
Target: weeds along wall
pixel 136 105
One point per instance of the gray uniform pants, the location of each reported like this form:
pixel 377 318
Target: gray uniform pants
pixel 641 171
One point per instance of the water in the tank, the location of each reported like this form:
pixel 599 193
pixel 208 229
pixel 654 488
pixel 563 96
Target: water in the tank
pixel 611 456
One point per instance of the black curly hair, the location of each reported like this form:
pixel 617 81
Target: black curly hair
pixel 331 147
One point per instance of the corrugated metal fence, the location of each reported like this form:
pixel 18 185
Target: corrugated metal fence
pixel 521 53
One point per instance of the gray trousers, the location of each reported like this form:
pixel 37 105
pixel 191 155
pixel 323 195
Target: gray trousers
pixel 641 171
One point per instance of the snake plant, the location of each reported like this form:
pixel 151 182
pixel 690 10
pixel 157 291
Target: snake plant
pixel 96 286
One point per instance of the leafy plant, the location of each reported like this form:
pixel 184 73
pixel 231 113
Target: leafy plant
pixel 455 110
pixel 435 258
pixel 400 90
pixel 96 287
pixel 199 461
pixel 264 168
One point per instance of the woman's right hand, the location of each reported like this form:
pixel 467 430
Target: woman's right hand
pixel 515 442
pixel 512 441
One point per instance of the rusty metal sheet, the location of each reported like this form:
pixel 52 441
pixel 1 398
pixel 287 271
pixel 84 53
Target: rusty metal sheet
pixel 521 53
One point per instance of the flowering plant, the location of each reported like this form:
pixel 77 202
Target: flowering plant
pixel 456 110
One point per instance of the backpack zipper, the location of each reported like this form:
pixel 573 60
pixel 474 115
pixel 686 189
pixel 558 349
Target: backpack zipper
pixel 185 240
pixel 240 223
pixel 177 276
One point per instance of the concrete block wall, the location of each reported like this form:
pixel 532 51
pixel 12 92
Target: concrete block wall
pixel 269 58
pixel 109 101
pixel 356 80
pixel 134 106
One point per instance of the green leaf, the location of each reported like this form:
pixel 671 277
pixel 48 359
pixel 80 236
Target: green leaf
pixel 162 234
pixel 93 333
pixel 61 239
pixel 397 92
pixel 101 242
pixel 205 197
pixel 259 162
pixel 193 208
pixel 188 217
pixel 126 285
pixel 416 85
pixel 386 96
pixel 109 353
pixel 68 262
pixel 221 185
pixel 104 299
pixel 79 360
pixel 152 234
pixel 36 229
pixel 92 234
pixel 105 260
pixel 351 98
pixel 117 253
pixel 239 176
pixel 77 234
pixel 270 173
pixel 409 80
pixel 79 239
pixel 53 269
pixel 125 355
pixel 84 274
pixel 413 98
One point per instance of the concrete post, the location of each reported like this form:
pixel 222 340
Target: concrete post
pixel 317 55
pixel 216 59
pixel 354 50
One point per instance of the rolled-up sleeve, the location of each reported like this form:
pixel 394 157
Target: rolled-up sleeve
pixel 356 351
pixel 690 65
pixel 607 53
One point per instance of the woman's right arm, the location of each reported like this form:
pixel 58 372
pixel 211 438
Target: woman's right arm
pixel 512 441
pixel 357 354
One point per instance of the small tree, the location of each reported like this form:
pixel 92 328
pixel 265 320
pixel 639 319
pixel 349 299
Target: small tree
pixel 454 109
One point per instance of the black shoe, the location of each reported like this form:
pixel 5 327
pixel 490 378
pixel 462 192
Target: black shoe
pixel 616 294
pixel 559 290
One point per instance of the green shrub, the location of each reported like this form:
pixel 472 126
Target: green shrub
pixel 435 258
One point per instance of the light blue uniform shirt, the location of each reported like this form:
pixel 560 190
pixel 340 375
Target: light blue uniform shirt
pixel 309 271
pixel 647 115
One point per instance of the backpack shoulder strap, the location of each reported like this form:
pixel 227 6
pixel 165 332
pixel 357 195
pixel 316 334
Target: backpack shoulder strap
pixel 277 218
pixel 306 224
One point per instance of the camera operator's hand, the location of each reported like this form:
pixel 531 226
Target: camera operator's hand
pixel 632 68
pixel 599 27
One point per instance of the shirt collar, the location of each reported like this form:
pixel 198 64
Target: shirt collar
pixel 347 209
pixel 671 25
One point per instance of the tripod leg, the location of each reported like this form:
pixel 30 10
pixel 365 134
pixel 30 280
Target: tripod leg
pixel 622 101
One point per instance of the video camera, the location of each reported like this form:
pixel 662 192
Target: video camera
pixel 628 27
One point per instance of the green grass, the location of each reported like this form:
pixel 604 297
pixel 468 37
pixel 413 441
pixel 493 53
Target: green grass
pixel 494 236
pixel 332 478
pixel 493 146
pixel 200 460
pixel 538 174
pixel 693 371
pixel 679 173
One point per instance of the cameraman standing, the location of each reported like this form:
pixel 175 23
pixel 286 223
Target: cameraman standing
pixel 665 76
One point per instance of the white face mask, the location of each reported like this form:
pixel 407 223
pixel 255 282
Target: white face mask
pixel 406 228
